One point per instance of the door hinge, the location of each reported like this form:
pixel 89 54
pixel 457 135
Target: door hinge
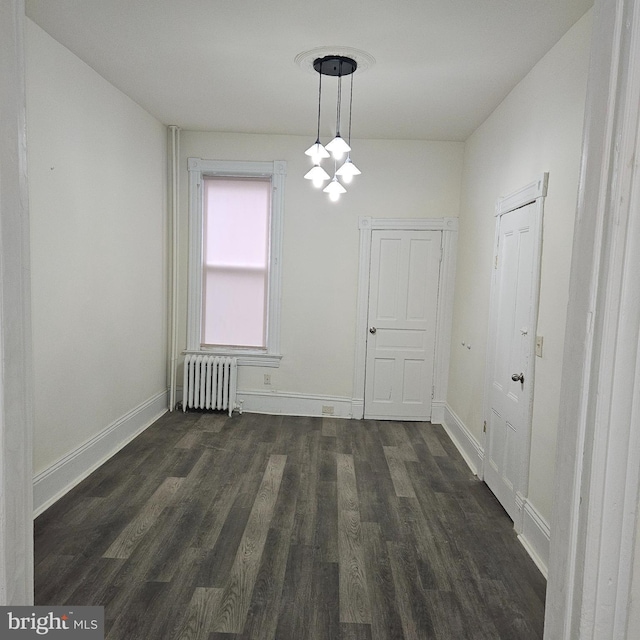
pixel 484 427
pixel 495 263
pixel 433 391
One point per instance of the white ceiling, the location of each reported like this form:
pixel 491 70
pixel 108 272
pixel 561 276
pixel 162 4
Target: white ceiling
pixel 441 66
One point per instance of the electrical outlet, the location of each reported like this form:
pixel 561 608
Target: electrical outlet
pixel 539 340
pixel 267 379
pixel 327 409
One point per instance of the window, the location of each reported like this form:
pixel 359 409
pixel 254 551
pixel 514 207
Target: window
pixel 235 282
pixel 234 259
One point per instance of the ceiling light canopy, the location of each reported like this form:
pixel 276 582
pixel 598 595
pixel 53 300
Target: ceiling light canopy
pixel 336 66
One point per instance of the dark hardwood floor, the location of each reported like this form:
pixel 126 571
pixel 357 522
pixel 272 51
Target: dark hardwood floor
pixel 289 528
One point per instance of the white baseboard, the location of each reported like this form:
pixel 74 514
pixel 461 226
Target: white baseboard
pixel 535 537
pixel 294 404
pixel 467 445
pixel 52 483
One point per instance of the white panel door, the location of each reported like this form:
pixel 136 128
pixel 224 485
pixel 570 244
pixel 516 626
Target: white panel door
pixel 403 302
pixel 509 386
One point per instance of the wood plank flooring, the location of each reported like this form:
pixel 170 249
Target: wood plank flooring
pixel 269 527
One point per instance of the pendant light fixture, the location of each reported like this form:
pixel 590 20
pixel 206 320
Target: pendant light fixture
pixel 335 66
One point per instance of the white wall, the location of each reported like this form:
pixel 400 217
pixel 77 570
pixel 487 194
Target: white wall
pixel 321 242
pixel 97 165
pixel 537 128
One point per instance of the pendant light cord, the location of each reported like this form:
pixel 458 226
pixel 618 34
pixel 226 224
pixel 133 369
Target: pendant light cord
pixel 339 100
pixel 350 106
pixel 319 103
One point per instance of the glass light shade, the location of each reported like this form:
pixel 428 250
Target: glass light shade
pixel 348 170
pixel 334 189
pixel 338 147
pixel 317 152
pixel 317 175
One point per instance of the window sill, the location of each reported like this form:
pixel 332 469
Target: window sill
pixel 245 358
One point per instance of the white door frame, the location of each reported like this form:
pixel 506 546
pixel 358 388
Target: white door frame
pixel 16 379
pixel 594 520
pixel 449 228
pixel 533 193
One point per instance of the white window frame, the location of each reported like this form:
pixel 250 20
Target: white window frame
pixel 276 172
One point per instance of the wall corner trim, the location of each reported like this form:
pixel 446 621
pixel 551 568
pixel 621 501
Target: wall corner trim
pixel 437 412
pixel 58 479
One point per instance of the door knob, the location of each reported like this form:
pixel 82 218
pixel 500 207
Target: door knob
pixel 518 377
pixel 372 329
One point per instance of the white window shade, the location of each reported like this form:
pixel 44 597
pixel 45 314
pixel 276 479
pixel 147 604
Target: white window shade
pixel 237 215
